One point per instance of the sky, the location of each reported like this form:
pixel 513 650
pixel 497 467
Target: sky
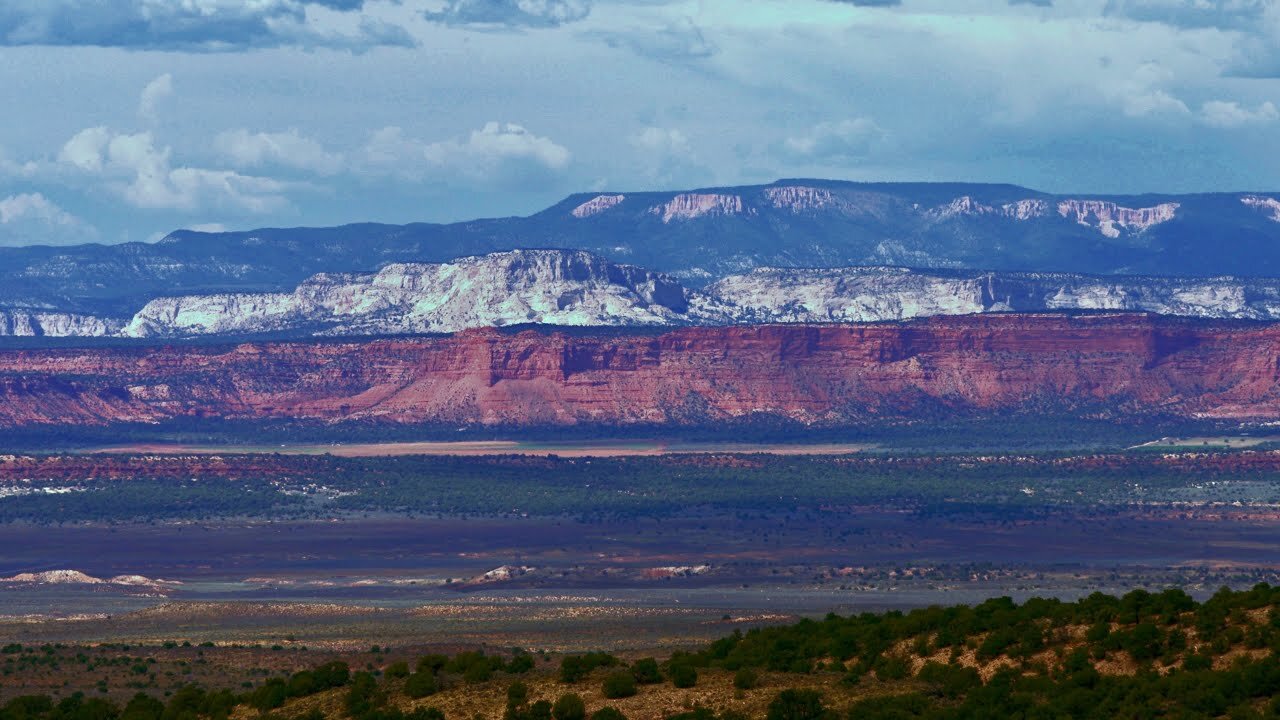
pixel 126 119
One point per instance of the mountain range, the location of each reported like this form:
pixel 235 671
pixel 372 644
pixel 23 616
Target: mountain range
pixel 577 288
pixel 697 237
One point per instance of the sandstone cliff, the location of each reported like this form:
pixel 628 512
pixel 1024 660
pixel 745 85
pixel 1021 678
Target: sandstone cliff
pixel 823 374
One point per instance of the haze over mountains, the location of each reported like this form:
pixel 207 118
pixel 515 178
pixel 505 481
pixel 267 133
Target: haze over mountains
pixel 674 258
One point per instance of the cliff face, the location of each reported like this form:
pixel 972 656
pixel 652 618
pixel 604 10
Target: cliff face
pixel 557 287
pixel 828 374
pixel 576 288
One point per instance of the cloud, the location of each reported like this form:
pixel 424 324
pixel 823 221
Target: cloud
pixel 497 154
pixel 243 149
pixel 1037 3
pixel 678 41
pixel 200 25
pixel 33 219
pixel 143 175
pixel 1220 14
pixel 668 158
pixel 152 94
pixel 871 3
pixel 511 13
pixel 1142 94
pixel 1223 114
pixel 836 142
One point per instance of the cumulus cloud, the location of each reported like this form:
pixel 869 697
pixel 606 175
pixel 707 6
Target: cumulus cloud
pixel 1142 93
pixel 142 174
pixel 243 149
pixel 152 94
pixel 511 13
pixel 836 142
pixel 1224 114
pixel 497 154
pixel 33 219
pixel 186 24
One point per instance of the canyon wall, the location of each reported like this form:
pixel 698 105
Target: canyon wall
pixel 821 374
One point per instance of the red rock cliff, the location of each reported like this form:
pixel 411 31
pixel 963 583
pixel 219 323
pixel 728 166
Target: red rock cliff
pixel 823 374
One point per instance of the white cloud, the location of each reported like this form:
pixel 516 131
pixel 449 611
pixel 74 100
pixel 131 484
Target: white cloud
pixel 152 94
pixel 144 176
pixel 243 149
pixel 1224 114
pixel 497 154
pixel 836 142
pixel 85 149
pixel 668 157
pixel 33 219
pixel 1143 94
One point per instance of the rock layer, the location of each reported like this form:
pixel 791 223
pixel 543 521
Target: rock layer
pixel 821 374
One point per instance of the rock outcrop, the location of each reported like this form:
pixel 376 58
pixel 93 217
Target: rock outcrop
pixel 1110 219
pixel 820 374
pixel 555 287
pixel 689 206
pixel 885 293
pixel 23 322
pixel 1268 205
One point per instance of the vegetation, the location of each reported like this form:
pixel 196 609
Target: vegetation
pixel 635 487
pixel 1143 655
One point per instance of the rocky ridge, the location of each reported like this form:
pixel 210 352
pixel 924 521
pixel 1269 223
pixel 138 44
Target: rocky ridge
pixel 575 288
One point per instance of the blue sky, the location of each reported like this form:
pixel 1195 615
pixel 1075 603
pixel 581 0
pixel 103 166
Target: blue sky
pixel 125 119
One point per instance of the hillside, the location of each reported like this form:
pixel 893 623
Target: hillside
pixel 1141 655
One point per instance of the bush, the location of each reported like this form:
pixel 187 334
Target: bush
pixel 746 679
pixel 569 707
pixel 397 670
pixel 520 664
pixel 420 684
pixel 797 705
pixel 683 675
pixel 270 696
pixel 517 694
pixel 646 672
pixel 477 673
pixel 432 663
pixel 619 685
pixel 608 713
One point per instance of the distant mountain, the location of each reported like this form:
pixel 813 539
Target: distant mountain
pixel 697 236
pixel 577 288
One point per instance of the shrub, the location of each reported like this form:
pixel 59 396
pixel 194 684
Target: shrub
pixel 646 672
pixel 517 694
pixel 432 663
pixel 569 707
pixel 619 685
pixel 397 670
pixel 420 684
pixel 520 664
pixel 683 675
pixel 797 705
pixel 477 673
pixel 746 679
pixel 608 713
